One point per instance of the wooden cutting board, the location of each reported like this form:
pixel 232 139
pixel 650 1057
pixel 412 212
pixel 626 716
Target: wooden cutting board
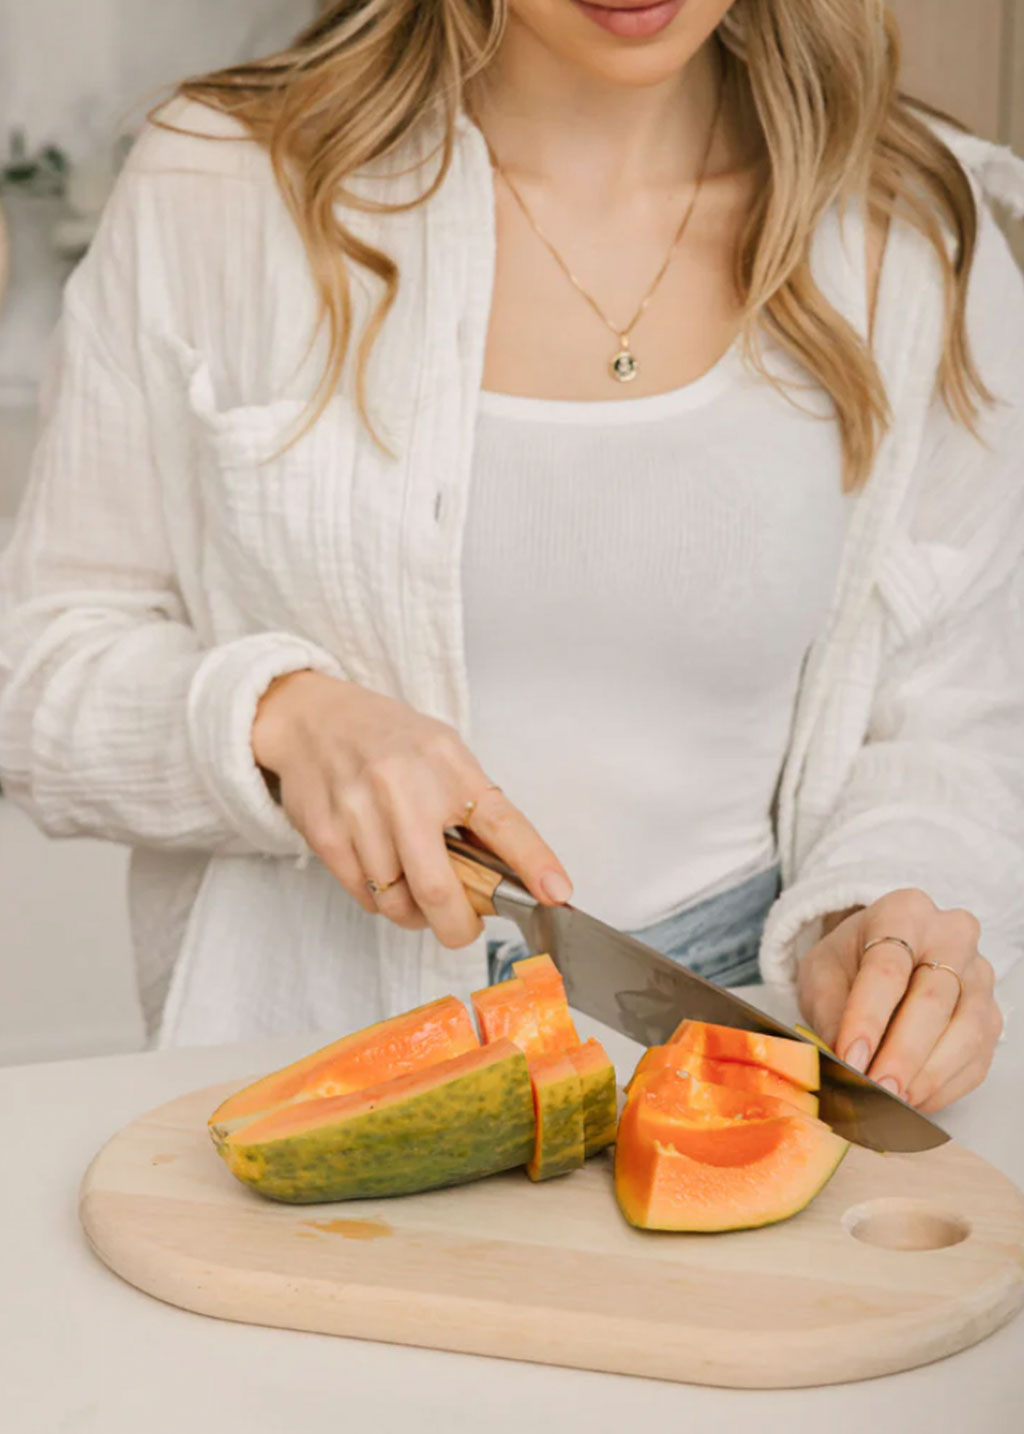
pixel 899 1261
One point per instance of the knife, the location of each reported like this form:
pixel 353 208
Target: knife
pixel 642 993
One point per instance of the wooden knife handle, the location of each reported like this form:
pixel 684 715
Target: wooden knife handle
pixel 479 869
pixel 479 881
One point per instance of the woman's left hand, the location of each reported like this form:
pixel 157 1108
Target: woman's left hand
pixel 906 1025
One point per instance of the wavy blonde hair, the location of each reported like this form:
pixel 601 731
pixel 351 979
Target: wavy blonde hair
pixel 819 77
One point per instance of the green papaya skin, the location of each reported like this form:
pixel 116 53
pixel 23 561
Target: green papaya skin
pixel 477 1124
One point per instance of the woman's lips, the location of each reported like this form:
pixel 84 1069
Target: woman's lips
pixel 632 21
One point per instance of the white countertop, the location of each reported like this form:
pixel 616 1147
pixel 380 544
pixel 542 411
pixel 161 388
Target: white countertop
pixel 82 1351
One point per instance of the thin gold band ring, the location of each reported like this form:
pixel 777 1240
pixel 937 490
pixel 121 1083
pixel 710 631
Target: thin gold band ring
pixel 471 807
pixel 941 966
pixel 376 887
pixel 932 965
pixel 896 941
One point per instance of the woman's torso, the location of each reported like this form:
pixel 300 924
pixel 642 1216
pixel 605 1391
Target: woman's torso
pixel 641 582
pixel 330 538
pixel 644 563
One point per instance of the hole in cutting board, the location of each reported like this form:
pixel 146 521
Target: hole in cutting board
pixel 904 1225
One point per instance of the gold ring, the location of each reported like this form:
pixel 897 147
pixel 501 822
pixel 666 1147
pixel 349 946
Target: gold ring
pixel 897 941
pixel 470 807
pixel 941 966
pixel 376 887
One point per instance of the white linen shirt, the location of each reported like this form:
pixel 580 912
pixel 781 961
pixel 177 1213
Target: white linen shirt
pixel 170 561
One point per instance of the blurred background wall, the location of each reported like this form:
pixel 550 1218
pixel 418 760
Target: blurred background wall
pixel 72 70
pixel 967 57
pixel 72 73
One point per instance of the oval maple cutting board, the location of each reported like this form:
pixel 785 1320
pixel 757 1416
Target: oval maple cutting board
pixel 902 1259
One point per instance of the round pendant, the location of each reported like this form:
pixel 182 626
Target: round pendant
pixel 624 366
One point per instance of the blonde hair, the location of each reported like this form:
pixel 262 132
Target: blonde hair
pixel 818 76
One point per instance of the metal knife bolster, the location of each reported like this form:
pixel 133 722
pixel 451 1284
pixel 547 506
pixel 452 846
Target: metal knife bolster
pixel 644 994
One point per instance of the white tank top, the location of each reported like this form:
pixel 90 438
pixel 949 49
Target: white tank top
pixel 642 579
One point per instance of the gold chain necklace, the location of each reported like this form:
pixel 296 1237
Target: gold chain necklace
pixel 624 365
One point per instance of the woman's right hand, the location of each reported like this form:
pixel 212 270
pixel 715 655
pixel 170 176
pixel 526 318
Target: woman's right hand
pixel 371 784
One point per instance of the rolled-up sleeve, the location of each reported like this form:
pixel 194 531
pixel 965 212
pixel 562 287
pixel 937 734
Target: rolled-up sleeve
pixel 935 797
pixel 115 720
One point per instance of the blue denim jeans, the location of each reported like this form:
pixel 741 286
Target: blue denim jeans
pixel 719 937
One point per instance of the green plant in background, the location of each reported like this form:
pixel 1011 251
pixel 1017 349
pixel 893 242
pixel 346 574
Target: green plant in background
pixel 44 173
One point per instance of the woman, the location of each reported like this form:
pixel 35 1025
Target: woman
pixel 650 376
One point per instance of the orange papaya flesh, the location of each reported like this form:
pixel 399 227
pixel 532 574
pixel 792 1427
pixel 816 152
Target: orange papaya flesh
pixel 446 1124
pixel 795 1061
pixel 733 1074
pixel 558 1105
pixel 685 1168
pixel 546 990
pixel 432 1033
pixel 678 1098
pixel 508 1012
pixel 529 1009
pixel 600 1095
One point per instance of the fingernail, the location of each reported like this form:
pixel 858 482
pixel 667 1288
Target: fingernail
pixel 556 886
pixel 857 1055
pixel 890 1083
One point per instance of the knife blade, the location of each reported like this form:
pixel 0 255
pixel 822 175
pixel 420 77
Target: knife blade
pixel 644 994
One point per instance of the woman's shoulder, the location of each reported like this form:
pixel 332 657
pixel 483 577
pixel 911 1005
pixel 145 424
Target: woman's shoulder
pixel 970 498
pixel 995 171
pixel 185 231
pixel 996 176
pixel 194 175
pixel 187 136
pixel 904 280
pixel 189 153
pixel 995 295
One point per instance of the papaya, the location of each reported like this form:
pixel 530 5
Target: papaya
pixel 600 1095
pixel 530 1009
pixel 795 1061
pixel 436 1032
pixel 447 1123
pixel 558 1107
pixel 506 1012
pixel 416 1102
pixel 546 991
pixel 677 1095
pixel 695 1157
pixel 734 1074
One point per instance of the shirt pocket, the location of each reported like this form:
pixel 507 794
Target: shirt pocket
pixel 276 496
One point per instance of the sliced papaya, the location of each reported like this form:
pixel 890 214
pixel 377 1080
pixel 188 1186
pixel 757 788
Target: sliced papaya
pixel 530 1009
pixel 600 1095
pixel 734 1074
pixel 795 1061
pixel 678 1096
pixel 436 1032
pixel 507 1012
pixel 714 1159
pixel 446 1124
pixel 558 1103
pixel 546 991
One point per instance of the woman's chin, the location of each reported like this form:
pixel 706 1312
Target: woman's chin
pixel 633 71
